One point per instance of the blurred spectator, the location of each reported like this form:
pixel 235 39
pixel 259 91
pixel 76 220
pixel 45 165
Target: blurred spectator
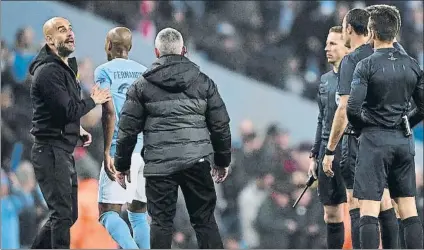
pixel 278 42
pixel 310 233
pixel 248 207
pixel 301 156
pixel 274 223
pixel 31 216
pixel 23 53
pixel 275 154
pixel 147 26
pixel 14 198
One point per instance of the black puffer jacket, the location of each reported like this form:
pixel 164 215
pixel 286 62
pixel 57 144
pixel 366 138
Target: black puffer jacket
pixel 182 116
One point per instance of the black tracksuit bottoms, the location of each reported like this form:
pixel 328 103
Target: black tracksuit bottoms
pixel 199 194
pixel 55 172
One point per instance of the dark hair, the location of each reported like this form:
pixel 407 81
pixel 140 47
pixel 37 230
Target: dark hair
pixel 392 8
pixel 358 19
pixel 336 29
pixel 384 24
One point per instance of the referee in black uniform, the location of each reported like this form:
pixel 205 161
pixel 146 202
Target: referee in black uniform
pixel 331 191
pixel 382 87
pixel 355 34
pixel 57 107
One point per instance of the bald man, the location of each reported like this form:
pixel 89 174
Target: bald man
pixel 57 104
pixel 117 75
pixel 186 133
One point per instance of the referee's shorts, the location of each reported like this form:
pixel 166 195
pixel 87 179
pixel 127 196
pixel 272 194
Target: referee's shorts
pixel 331 190
pixel 385 158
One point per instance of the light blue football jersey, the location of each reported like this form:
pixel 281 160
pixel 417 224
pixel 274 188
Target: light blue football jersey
pixel 118 75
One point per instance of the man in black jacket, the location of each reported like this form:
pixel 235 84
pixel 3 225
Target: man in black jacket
pixel 186 131
pixel 57 109
pixel 382 87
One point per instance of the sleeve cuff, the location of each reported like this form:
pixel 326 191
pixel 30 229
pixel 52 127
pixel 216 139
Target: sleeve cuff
pixel 90 103
pixel 122 165
pixel 222 160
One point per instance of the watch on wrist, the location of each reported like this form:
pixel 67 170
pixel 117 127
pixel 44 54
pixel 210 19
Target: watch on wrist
pixel 329 152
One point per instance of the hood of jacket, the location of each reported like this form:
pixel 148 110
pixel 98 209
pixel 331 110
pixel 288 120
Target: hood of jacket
pixel 46 55
pixel 173 73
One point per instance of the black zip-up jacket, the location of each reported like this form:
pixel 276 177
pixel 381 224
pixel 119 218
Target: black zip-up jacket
pixel 182 116
pixel 56 100
pixel 382 87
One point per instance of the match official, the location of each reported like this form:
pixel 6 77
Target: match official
pixel 355 34
pixel 331 191
pixel 57 107
pixel 186 131
pixel 382 87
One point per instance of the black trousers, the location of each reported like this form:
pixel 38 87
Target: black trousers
pixel 199 194
pixel 55 172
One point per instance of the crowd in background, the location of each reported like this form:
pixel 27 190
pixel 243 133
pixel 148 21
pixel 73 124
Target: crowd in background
pixel 279 42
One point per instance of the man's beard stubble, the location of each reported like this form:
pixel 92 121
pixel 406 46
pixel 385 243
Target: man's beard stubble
pixel 62 50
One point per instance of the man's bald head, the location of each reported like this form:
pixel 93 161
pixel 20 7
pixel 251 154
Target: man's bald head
pixel 169 42
pixel 118 42
pixel 59 36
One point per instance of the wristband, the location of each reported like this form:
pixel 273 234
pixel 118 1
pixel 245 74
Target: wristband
pixel 329 152
pixel 312 155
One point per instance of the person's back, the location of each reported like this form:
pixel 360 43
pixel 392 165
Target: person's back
pixel 382 87
pixel 393 79
pixel 176 100
pixel 186 132
pixel 117 75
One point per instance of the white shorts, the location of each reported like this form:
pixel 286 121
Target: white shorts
pixel 110 192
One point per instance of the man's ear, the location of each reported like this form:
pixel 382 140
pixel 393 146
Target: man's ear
pixel 349 29
pixel 157 53
pixel 109 46
pixel 49 40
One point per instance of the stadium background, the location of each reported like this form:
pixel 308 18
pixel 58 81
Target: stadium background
pixel 266 58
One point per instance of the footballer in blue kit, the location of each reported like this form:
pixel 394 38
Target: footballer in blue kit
pixel 117 75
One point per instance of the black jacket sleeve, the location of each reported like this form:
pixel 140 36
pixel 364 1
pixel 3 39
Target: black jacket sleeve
pixel 358 94
pixel 52 85
pixel 417 115
pixel 131 123
pixel 218 123
pixel 318 132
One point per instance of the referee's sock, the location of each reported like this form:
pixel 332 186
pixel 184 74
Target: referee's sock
pixel 369 232
pixel 141 229
pixel 335 235
pixel 401 235
pixel 118 229
pixel 354 222
pixel 389 229
pixel 413 232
